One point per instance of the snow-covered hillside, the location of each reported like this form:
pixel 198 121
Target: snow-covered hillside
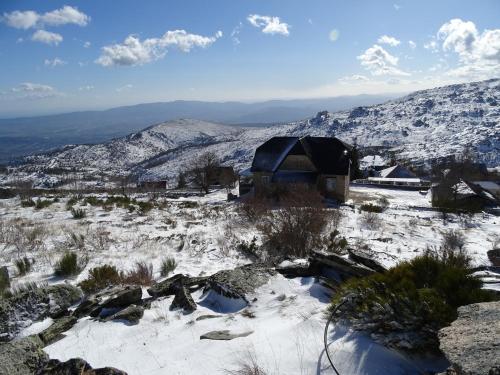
pixel 424 125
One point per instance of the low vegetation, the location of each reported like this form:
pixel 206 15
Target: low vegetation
pixel 168 265
pixel 78 213
pixel 142 274
pixel 69 265
pixel 100 278
pixel 23 266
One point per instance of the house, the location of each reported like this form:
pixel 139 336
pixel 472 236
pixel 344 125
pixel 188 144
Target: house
pixel 463 194
pixel 396 171
pixel 322 162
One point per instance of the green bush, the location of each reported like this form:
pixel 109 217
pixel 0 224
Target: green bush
pixel 23 266
pixel 71 202
pixel 167 265
pixel 78 213
pixel 145 207
pixel 40 204
pixel 368 207
pixel 100 278
pixel 68 265
pixel 142 274
pixel 28 203
pixel 430 287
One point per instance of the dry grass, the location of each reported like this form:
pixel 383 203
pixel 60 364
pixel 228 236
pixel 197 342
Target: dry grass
pixel 142 274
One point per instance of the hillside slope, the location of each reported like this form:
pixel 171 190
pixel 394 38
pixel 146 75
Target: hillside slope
pixel 424 125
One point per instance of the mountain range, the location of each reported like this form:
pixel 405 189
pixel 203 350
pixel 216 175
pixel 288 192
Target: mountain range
pixel 24 136
pixel 422 126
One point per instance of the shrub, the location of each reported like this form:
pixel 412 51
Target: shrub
pixel 142 274
pixel 145 207
pixel 23 266
pixel 335 243
pixel 368 207
pixel 71 202
pixel 371 220
pixel 4 281
pixel 167 265
pixel 28 203
pixel 78 213
pixel 249 248
pixel 296 227
pixel 68 265
pixel 100 278
pixel 40 204
pixel 425 291
pixel 253 208
pixel 188 204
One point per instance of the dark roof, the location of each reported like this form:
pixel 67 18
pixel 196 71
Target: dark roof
pixel 329 155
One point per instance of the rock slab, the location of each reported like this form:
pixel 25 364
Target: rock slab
pixel 472 342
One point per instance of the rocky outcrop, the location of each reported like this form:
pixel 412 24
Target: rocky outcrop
pixel 56 330
pixel 472 342
pixel 170 286
pixel 22 357
pixel 77 366
pixel 131 314
pixel 26 307
pixel 223 335
pixel 366 260
pixel 239 282
pixel 344 267
pixel 183 300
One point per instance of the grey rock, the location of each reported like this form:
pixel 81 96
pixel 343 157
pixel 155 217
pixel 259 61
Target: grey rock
pixel 207 316
pixel 77 366
pixel 223 335
pixel 23 308
pixel 131 314
pixel 56 330
pixel 343 266
pixel 298 270
pixel 123 297
pixel 239 282
pixel 366 260
pixel 22 357
pixel 4 278
pixel 170 286
pixel 472 342
pixel 183 300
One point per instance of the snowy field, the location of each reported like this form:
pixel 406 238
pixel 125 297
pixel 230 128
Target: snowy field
pixel 286 317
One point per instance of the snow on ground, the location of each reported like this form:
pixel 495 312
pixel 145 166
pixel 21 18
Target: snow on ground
pixel 202 233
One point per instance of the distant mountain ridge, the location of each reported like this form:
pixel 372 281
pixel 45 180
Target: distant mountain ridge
pixel 24 136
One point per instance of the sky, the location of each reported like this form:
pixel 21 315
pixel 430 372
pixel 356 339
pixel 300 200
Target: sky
pixel 59 56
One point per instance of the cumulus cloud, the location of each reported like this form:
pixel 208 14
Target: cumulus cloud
pixel 29 90
pixel 133 51
pixel 55 62
pixel 390 40
pixel 86 88
pixel 479 53
pixel 412 44
pixel 380 62
pixel 334 35
pixel 269 24
pixel 86 45
pixel 31 19
pixel 47 37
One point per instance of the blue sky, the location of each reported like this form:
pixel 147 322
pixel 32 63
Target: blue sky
pixel 71 55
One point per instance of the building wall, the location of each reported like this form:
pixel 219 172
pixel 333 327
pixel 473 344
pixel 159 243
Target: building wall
pixel 341 191
pixel 297 163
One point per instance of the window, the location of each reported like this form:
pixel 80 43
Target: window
pixel 266 180
pixel 331 184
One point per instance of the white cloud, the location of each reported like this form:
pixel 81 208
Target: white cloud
pixel 29 90
pixel 55 62
pixel 269 24
pixel 334 35
pixel 21 20
pixel 355 78
pixel 235 34
pixel 31 19
pixel 86 45
pixel 390 40
pixel 412 44
pixel 432 45
pixel 478 53
pixel 396 6
pixel 47 37
pixel 380 62
pixel 86 88
pixel 124 88
pixel 133 51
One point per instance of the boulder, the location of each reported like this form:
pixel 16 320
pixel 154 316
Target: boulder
pixel 183 300
pixel 31 305
pixel 239 282
pixel 297 269
pixel 493 256
pixel 170 286
pixel 223 335
pixel 77 366
pixel 472 342
pixel 123 297
pixel 22 357
pixel 346 268
pixel 131 314
pixel 366 260
pixel 56 330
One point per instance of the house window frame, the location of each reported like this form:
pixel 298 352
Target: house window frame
pixel 266 180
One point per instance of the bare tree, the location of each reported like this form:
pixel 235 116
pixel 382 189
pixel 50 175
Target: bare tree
pixel 204 170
